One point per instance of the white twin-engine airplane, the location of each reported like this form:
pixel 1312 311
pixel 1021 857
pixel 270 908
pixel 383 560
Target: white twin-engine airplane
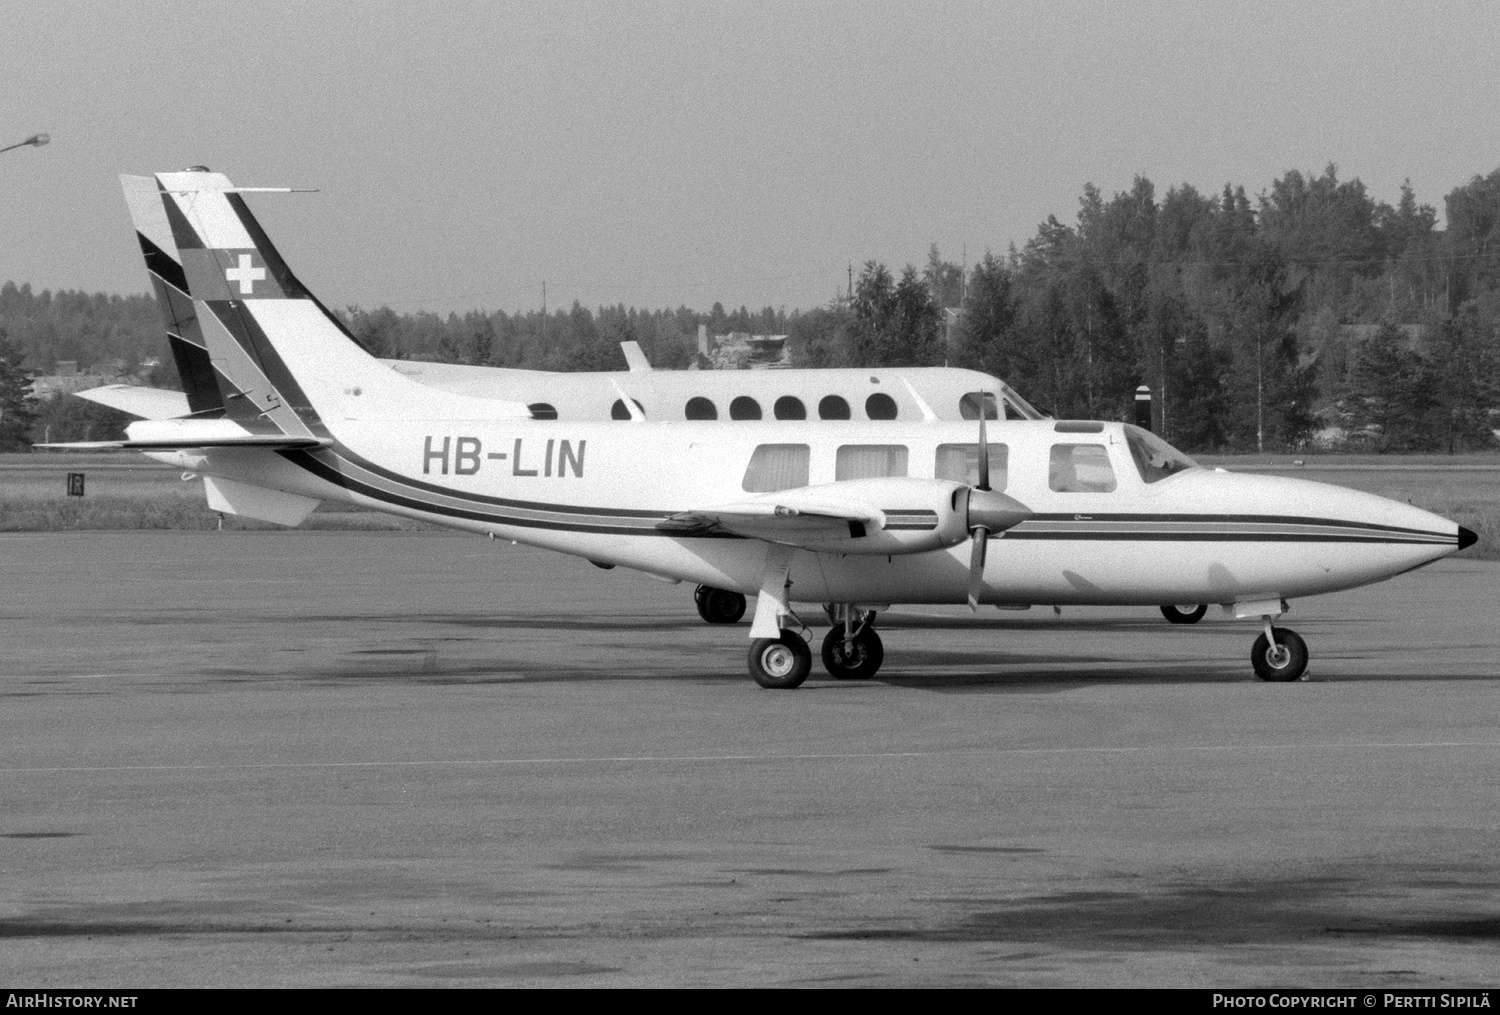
pixel 902 393
pixel 855 514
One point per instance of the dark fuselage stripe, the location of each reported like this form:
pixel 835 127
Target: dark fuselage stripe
pixel 1234 537
pixel 326 472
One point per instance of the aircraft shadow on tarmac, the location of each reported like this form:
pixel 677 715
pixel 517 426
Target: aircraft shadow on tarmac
pixel 1348 907
pixel 1061 653
pixel 1375 906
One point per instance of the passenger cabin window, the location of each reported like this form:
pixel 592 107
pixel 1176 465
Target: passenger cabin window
pixel 968 406
pixel 542 410
pixel 744 407
pixel 960 463
pixel 1080 468
pixel 699 407
pixel 870 461
pixel 833 407
pixel 1154 458
pixel 619 411
pixel 880 406
pixel 776 467
pixel 789 407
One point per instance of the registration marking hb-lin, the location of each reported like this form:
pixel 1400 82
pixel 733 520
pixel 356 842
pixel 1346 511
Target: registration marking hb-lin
pixel 467 454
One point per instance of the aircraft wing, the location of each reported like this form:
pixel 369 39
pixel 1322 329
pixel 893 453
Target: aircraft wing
pixel 147 403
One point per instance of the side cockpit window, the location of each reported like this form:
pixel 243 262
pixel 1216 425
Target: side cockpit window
pixel 1080 468
pixel 777 467
pixel 1154 458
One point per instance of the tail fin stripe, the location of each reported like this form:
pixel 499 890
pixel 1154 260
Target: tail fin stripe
pixel 160 262
pixel 240 327
pixel 288 283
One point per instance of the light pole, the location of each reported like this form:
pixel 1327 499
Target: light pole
pixel 35 141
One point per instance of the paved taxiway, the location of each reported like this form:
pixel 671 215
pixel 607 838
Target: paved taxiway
pixel 260 758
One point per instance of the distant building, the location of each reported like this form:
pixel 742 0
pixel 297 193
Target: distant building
pixel 67 379
pixel 740 350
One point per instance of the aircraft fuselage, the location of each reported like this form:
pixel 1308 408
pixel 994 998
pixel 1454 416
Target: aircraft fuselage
pixel 604 492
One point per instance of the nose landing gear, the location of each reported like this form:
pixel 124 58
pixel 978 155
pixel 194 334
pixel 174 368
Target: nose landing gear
pixel 1279 654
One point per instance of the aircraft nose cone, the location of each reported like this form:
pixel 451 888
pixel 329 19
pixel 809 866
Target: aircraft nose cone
pixel 1466 538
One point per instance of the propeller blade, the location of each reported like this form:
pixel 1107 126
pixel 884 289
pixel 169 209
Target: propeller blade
pixel 976 566
pixel 984 453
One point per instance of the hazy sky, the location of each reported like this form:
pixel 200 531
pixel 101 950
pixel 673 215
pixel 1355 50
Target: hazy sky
pixel 660 154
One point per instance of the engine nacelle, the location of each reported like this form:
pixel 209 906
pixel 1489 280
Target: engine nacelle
pixel 881 517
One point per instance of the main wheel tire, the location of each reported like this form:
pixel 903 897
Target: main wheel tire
pixel 859 660
pixel 1286 662
pixel 719 606
pixel 780 663
pixel 1184 614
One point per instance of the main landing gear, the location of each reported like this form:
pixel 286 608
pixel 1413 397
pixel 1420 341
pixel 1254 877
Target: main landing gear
pixel 719 606
pixel 780 663
pixel 851 651
pixel 1184 614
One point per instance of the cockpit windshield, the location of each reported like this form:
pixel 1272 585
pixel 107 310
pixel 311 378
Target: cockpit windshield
pixel 1155 459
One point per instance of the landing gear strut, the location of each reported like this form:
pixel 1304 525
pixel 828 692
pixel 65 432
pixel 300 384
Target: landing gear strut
pixel 1278 654
pixel 719 606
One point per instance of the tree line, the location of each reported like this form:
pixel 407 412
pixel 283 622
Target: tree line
pixel 1258 323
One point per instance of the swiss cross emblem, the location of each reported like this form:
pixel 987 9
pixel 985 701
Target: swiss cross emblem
pixel 245 275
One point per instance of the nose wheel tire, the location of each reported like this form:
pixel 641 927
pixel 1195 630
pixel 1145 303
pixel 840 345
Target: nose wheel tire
pixel 1184 614
pixel 719 606
pixel 780 663
pixel 1285 661
pixel 857 660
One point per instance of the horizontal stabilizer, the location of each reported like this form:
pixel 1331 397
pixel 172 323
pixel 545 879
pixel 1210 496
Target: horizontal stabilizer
pixel 269 442
pixel 147 403
pixel 183 434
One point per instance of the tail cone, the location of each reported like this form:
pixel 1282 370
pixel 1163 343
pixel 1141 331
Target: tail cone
pixel 1466 538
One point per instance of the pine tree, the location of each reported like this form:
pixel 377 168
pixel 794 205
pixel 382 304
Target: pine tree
pixel 17 407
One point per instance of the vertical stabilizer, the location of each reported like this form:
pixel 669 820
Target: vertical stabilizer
pixel 174 300
pixel 294 365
